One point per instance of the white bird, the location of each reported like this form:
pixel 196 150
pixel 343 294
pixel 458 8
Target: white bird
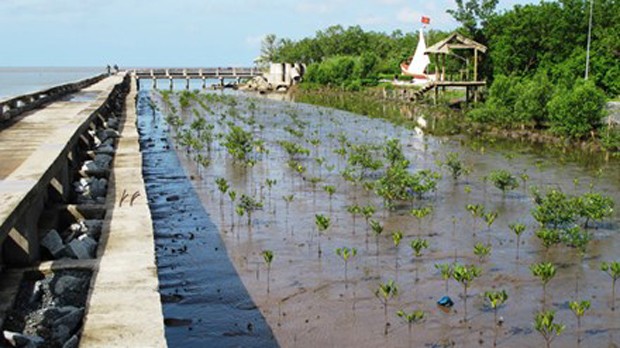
pixel 421 121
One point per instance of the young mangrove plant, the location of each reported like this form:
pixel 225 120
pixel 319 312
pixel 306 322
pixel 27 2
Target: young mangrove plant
pixel 377 229
pixel 518 229
pixel 455 166
pixel 420 214
pixel 346 253
pixel 270 184
pixel 232 194
pixel 288 199
pixel 331 190
pixel 545 324
pixel 446 273
pixel 595 207
pixel 613 270
pixel 385 293
pixel 545 271
pixel 397 237
pixel 249 205
pixel 579 309
pixel 222 186
pixel 476 211
pixel 482 250
pixel 417 245
pixel 368 211
pixel 268 258
pixel 354 210
pixel 503 180
pixel 414 317
pixel 549 237
pixel 465 274
pixel 489 218
pixel 322 223
pixel 495 300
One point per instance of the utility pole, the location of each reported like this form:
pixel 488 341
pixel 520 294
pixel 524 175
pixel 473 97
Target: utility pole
pixel 589 40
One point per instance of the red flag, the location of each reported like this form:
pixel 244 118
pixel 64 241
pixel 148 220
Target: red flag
pixel 426 20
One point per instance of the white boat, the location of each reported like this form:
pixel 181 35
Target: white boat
pixel 417 67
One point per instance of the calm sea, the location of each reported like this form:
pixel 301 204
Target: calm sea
pixel 22 80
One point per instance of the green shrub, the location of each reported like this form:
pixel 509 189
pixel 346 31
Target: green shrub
pixel 578 111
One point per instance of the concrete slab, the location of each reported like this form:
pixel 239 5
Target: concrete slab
pixel 124 309
pixel 29 148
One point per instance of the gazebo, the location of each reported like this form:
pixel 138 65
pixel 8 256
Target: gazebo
pixel 449 46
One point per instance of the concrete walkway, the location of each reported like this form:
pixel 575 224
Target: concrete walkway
pixel 124 309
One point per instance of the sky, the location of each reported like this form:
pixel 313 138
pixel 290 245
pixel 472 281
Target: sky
pixel 188 33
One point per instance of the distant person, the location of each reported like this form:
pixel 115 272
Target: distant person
pixel 109 69
pixel 116 68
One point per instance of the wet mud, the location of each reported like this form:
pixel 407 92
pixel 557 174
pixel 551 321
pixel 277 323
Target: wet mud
pixel 309 303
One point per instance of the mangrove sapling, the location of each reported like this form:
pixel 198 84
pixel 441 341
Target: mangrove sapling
pixel 549 237
pixel 287 201
pixel 384 293
pixel 268 257
pixel 232 194
pixel 397 237
pixel 579 308
pixel 465 274
pixel 517 229
pixel 417 245
pixel 577 238
pixel 322 223
pixel 270 184
pixel 414 317
pixel 482 251
pixel 545 325
pixel 453 163
pixel 476 211
pixel 354 210
pixel 368 211
pixel 489 218
pixel 346 253
pixel 240 212
pixel 613 270
pixel 331 190
pixel 420 214
pixel 503 180
pixel 446 272
pixel 524 178
pixel 495 299
pixel 595 207
pixel 222 186
pixel 545 271
pixel 249 205
pixel 377 229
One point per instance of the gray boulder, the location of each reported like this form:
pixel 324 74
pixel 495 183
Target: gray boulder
pixel 53 243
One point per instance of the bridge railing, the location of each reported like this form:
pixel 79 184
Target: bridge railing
pixel 163 73
pixel 15 106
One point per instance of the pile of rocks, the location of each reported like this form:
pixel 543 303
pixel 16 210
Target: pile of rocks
pixel 79 241
pixel 93 185
pixel 49 310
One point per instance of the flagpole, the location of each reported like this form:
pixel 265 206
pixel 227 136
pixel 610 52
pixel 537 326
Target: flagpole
pixel 589 40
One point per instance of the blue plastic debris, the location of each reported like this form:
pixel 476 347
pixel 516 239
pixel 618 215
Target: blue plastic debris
pixel 446 302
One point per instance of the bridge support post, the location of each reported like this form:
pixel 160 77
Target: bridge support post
pixel 171 83
pixel 137 84
pixel 221 81
pixel 204 83
pixel 154 83
pixel 187 83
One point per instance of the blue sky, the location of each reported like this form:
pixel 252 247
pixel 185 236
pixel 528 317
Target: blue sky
pixel 187 32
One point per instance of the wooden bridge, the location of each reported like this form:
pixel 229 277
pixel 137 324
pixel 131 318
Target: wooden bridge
pixel 187 74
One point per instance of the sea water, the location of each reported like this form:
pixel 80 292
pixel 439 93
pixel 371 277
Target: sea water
pixel 15 81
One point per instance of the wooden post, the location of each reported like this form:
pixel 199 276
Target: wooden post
pixel 443 68
pixel 154 83
pixel 437 67
pixel 138 84
pixel 204 83
pixel 436 94
pixel 171 83
pixel 475 64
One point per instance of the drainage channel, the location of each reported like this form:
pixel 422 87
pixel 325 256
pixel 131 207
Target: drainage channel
pixel 204 302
